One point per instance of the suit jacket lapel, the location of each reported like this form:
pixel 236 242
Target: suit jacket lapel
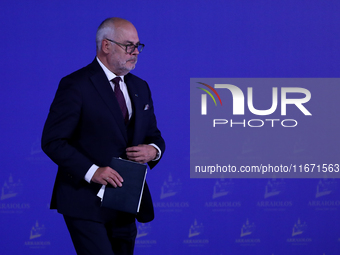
pixel 103 87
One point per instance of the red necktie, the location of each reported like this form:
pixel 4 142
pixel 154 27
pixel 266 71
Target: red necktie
pixel 121 99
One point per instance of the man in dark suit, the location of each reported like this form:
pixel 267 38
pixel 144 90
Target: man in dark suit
pixel 96 116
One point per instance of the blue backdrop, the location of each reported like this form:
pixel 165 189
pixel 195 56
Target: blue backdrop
pixel 42 41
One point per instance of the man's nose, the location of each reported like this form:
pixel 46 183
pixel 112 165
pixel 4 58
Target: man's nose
pixel 135 51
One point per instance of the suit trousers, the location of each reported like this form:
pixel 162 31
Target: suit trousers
pixel 96 238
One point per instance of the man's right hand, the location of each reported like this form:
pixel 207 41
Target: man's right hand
pixel 106 175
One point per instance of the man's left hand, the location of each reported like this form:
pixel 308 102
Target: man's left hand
pixel 142 153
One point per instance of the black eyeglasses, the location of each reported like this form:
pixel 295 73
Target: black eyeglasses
pixel 129 48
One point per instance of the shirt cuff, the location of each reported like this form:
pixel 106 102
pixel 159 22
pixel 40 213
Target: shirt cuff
pixel 159 154
pixel 90 173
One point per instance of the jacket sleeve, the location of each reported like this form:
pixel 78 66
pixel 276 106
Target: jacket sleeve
pixel 60 130
pixel 153 133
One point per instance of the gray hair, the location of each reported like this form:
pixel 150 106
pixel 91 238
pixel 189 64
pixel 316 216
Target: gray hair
pixel 105 30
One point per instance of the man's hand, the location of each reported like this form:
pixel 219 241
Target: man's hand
pixel 142 153
pixel 106 175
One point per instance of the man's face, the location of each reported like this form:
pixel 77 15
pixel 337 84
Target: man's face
pixel 121 62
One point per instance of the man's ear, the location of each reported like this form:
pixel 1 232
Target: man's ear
pixel 105 46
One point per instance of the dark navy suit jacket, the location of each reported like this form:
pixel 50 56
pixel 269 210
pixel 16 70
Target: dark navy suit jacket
pixel 85 126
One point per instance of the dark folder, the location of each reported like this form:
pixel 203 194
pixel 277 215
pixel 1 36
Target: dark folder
pixel 128 197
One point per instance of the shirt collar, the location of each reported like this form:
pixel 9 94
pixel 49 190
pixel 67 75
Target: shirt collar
pixel 110 75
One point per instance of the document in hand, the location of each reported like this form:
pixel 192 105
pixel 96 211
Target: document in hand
pixel 128 197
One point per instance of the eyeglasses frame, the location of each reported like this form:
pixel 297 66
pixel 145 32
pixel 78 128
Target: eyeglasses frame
pixel 127 45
